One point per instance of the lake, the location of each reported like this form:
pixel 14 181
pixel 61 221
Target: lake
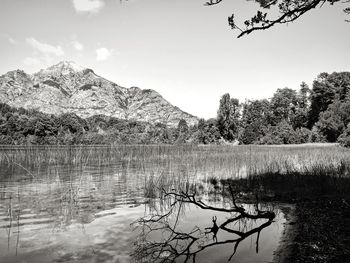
pixel 93 204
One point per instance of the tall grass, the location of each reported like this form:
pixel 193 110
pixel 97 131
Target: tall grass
pixel 164 165
pixel 293 184
pixel 254 157
pixel 231 160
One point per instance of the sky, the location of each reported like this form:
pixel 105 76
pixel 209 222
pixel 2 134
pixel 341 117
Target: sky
pixel 180 48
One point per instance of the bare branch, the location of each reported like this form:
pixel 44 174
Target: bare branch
pixel 177 245
pixel 213 2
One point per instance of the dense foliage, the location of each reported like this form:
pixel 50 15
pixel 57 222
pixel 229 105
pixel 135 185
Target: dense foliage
pixel 20 126
pixel 319 114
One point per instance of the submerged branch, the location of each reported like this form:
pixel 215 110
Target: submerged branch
pixel 175 244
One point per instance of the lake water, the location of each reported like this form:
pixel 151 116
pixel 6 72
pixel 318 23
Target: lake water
pixel 74 212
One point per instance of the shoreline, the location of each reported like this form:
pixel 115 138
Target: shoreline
pixel 316 230
pixel 285 247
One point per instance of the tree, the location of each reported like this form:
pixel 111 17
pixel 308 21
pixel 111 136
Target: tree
pixel 283 105
pixel 344 138
pixel 303 135
pixel 73 123
pixel 288 12
pixel 301 115
pixel 255 117
pixel 182 131
pixel 282 133
pixel 334 120
pixel 208 132
pixel 182 126
pixel 228 117
pixel 327 88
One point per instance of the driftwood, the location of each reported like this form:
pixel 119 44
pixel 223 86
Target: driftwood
pixel 180 246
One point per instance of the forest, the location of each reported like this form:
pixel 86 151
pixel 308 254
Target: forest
pixel 317 114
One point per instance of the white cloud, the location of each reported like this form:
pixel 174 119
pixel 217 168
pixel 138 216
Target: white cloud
pixel 103 53
pixel 9 39
pixel 12 41
pixel 88 6
pixel 77 45
pixel 45 48
pixel 32 62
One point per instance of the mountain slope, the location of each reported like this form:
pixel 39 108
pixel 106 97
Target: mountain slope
pixel 67 87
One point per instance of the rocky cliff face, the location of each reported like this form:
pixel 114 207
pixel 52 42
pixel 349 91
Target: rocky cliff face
pixel 67 87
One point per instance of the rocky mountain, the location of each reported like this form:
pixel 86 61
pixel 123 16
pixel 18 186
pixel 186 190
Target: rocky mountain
pixel 67 87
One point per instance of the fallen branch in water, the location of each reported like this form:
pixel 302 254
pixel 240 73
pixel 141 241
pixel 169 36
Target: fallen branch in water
pixel 176 245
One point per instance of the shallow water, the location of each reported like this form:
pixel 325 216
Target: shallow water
pixel 75 213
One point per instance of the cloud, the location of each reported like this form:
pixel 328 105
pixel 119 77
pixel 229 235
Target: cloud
pixel 103 53
pixel 32 62
pixel 77 45
pixel 45 48
pixel 88 6
pixel 43 55
pixel 12 41
pixel 9 39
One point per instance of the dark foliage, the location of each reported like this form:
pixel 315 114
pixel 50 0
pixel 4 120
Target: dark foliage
pixel 228 117
pixel 20 126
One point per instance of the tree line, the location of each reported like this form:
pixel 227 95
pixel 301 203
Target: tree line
pixel 317 114
pixel 19 126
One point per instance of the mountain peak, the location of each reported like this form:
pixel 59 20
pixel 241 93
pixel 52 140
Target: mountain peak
pixel 63 67
pixel 70 65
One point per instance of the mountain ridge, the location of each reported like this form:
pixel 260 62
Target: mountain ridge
pixel 69 88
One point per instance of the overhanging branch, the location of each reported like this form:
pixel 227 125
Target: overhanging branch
pixel 289 11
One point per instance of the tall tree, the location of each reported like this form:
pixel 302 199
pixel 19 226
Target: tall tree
pixel 301 115
pixel 255 118
pixel 283 105
pixel 228 117
pixel 304 95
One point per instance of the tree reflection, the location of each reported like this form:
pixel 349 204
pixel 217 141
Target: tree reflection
pixel 162 240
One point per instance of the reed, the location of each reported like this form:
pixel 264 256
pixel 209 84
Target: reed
pixel 291 184
pixel 172 166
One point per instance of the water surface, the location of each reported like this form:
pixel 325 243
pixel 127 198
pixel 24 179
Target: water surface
pixel 83 212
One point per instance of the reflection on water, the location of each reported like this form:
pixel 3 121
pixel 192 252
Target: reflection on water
pixel 191 229
pixel 70 213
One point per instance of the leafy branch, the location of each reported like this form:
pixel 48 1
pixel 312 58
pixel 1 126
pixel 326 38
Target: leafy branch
pixel 289 11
